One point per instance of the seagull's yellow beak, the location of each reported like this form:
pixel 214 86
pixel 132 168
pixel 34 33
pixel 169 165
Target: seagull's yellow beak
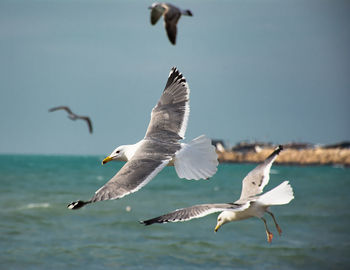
pixel 107 159
pixel 217 227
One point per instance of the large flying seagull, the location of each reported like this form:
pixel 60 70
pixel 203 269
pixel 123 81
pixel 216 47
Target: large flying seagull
pixel 251 203
pixel 160 147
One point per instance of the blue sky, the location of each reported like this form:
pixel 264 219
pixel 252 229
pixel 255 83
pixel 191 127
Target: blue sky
pixel 276 70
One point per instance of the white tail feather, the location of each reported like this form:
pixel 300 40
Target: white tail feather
pixel 282 194
pixel 196 160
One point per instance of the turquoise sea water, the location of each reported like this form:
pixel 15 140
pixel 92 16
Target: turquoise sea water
pixel 37 231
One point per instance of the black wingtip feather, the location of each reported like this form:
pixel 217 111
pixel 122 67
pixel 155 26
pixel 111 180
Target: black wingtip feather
pixel 189 12
pixel 279 149
pixel 76 205
pixel 147 222
pixel 175 75
pixel 153 220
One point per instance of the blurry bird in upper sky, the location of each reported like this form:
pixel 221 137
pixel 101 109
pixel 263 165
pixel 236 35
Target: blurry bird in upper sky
pixel 73 116
pixel 171 15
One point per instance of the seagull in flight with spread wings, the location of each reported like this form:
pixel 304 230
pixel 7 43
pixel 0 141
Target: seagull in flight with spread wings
pixel 171 16
pixel 252 202
pixel 73 116
pixel 160 147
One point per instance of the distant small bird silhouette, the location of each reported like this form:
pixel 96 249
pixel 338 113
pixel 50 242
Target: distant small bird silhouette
pixel 171 15
pixel 73 116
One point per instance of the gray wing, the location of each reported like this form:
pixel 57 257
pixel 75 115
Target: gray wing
pixel 147 162
pixel 67 109
pixel 88 121
pixel 155 15
pixel 150 158
pixel 257 179
pixel 170 116
pixel 196 211
pixel 171 18
pixel 171 30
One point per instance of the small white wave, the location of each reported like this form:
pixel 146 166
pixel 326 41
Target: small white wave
pixel 338 166
pixel 37 205
pixel 99 177
pixel 274 171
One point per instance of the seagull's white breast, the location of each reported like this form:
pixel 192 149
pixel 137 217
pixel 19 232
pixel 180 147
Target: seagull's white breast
pixel 131 149
pixel 254 210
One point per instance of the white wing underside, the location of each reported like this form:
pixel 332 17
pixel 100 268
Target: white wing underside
pixel 196 160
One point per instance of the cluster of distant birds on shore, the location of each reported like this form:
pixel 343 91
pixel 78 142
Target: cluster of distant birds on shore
pixel 196 160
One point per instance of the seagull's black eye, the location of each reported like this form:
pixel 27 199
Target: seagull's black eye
pixel 117 152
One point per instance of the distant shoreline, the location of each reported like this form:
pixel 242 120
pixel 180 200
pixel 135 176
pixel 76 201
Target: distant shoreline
pixel 307 157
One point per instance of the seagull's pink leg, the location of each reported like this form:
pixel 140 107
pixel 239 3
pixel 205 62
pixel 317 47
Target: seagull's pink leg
pixel 268 233
pixel 277 226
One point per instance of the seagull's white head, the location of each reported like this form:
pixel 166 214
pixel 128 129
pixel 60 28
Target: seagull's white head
pixel 153 5
pixel 223 218
pixel 117 154
pixel 158 6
